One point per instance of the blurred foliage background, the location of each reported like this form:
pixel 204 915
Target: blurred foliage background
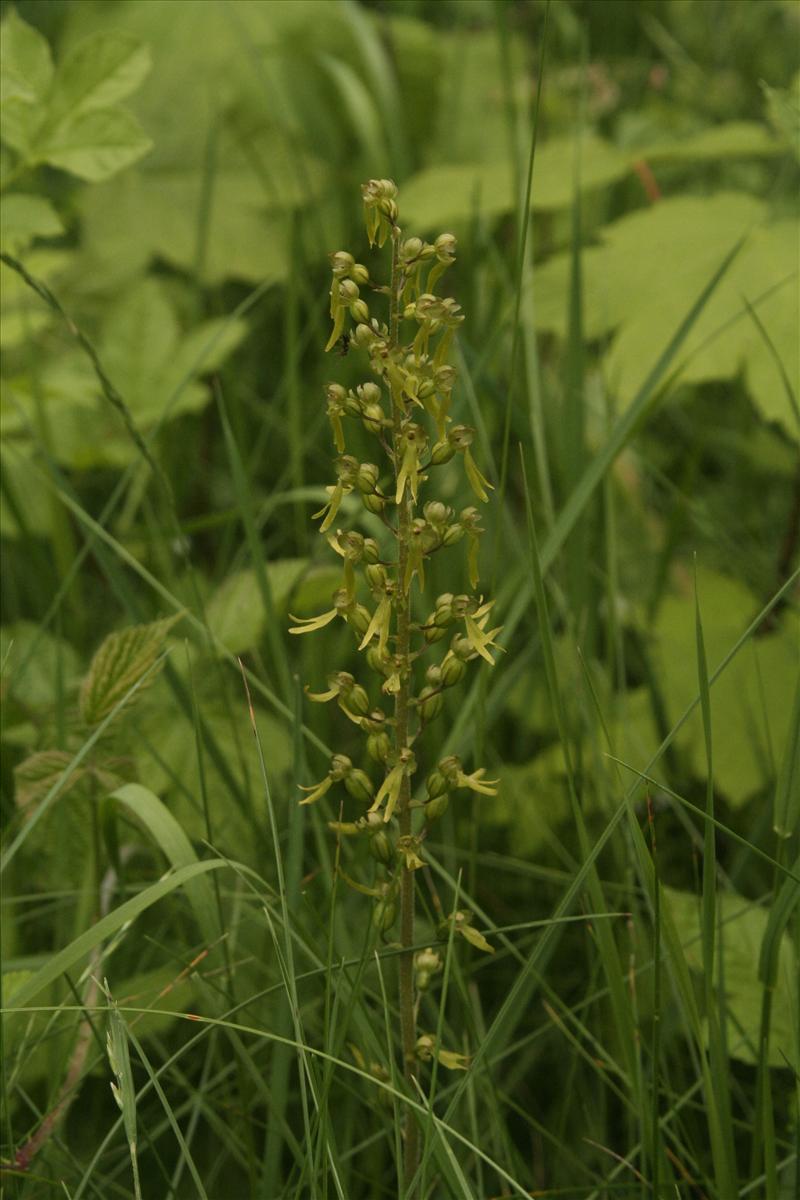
pixel 176 183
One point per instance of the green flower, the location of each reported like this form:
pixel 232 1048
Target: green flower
pixel 390 788
pixel 478 639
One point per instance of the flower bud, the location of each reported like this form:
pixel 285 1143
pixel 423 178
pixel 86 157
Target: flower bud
pixel 343 681
pixel 436 784
pixel 410 311
pixel 443 612
pixel 441 453
pixel 359 311
pixel 342 263
pixel 377 661
pixel 347 468
pixel 384 914
pixel 352 543
pixel 359 785
pixel 445 247
pixel 367 477
pixel 445 377
pixel 368 393
pixel 434 633
pixel 450 768
pixel 335 393
pixel 426 389
pixel 371 550
pixel 462 604
pixel 373 503
pixel 411 248
pixel 429 703
pixel 341 766
pixel 380 847
pixel 453 671
pixel 425 1048
pixel 461 436
pixel 452 534
pixel 363 336
pixel 427 963
pixel 379 748
pixel 358 618
pixel 359 273
pixel 351 405
pixel 436 513
pixel 462 648
pixel 437 807
pixel 376 576
pixel 357 700
pixel 373 418
pixel 433 675
pixel 348 291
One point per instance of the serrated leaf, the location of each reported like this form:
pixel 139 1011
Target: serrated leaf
pixel 94 145
pixel 34 777
pixel 741 928
pixel 99 72
pixel 26 67
pixel 25 217
pixel 121 662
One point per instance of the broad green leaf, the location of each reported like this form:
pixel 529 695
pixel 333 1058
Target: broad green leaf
pixel 246 239
pixel 751 703
pixel 121 661
pixel 33 679
pixel 20 121
pixel 93 145
pixel 148 358
pixel 99 72
pixel 25 217
pixel 26 67
pixel 732 139
pixel 649 268
pixel 235 612
pixel 452 193
pixel 741 928
pixel 74 954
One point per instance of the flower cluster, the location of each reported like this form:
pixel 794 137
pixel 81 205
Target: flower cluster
pixel 406 408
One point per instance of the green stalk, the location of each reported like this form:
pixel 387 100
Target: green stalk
pixel 408 1032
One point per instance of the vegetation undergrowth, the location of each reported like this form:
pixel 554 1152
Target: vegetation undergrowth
pixel 452 930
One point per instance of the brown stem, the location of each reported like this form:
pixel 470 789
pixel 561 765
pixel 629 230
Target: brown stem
pixel 408 1030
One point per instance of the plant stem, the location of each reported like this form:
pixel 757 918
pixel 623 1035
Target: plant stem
pixel 402 648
